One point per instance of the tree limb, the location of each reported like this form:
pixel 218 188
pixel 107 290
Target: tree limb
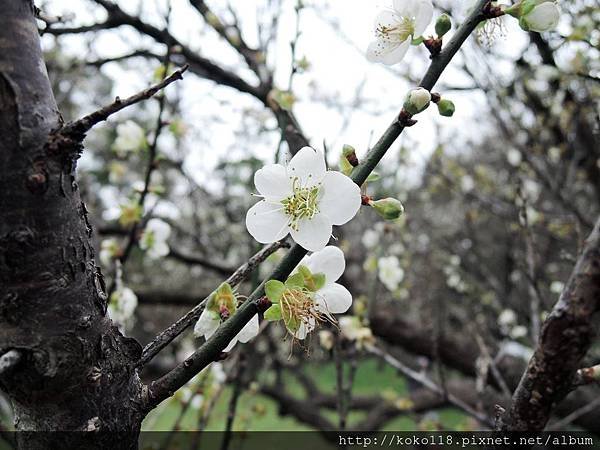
pixel 167 336
pixel 80 127
pixel 162 388
pixel 565 338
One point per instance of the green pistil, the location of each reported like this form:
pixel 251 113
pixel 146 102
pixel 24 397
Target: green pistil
pixel 302 204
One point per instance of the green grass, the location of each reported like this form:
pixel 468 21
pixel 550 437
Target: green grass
pixel 258 413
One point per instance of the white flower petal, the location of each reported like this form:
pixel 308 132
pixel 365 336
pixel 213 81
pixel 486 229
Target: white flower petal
pixel 404 7
pixel 387 19
pixel 395 55
pixel 207 324
pixel 334 299
pixel 231 345
pixel 266 222
pixel 308 165
pixel 160 228
pixel 249 331
pixel 158 250
pixel 329 261
pixel 423 16
pixel 341 198
pixel 313 234
pixel 304 329
pixel 272 182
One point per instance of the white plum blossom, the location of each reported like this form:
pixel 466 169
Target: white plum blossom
pixel 210 321
pixel 467 184
pixel 556 287
pixel 109 250
pixel 353 330
pixel 326 339
pixel 311 294
pixel 395 29
pixel 514 157
pixel 514 349
pixel 331 298
pixel 122 305
pixel 507 318
pixel 154 238
pixel 218 373
pixel 543 17
pixel 130 138
pixel 195 400
pixel 303 199
pixel 518 332
pixel 370 238
pixel 389 272
pixel 221 305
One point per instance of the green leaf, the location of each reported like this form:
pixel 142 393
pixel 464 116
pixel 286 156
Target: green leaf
pixel 274 290
pixel 295 281
pixel 273 313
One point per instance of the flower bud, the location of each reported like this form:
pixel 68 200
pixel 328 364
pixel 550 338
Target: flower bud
pixel 388 208
pixel 446 108
pixel 541 18
pixel 536 15
pixel 443 25
pixel 348 159
pixel 417 100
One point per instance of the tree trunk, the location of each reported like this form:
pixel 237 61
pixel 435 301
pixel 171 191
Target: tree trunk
pixel 75 371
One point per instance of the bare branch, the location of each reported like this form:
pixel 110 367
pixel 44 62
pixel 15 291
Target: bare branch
pixel 199 261
pixel 80 127
pixel 567 420
pixel 167 336
pixel 163 388
pixel 429 384
pixel 565 338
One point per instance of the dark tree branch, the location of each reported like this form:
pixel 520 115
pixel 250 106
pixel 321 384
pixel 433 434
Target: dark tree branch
pixel 305 412
pixel 565 338
pixel 199 261
pixel 162 388
pixel 429 384
pixel 80 127
pixel 167 336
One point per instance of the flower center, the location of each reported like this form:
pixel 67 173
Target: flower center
pixel 302 204
pixel 401 31
pixel 298 307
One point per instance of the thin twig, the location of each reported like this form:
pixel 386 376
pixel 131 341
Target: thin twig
pixel 233 402
pixel 561 424
pixel 167 336
pixel 429 384
pixel 79 127
pixel 163 388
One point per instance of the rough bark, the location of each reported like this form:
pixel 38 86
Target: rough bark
pixel 565 339
pixel 75 370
